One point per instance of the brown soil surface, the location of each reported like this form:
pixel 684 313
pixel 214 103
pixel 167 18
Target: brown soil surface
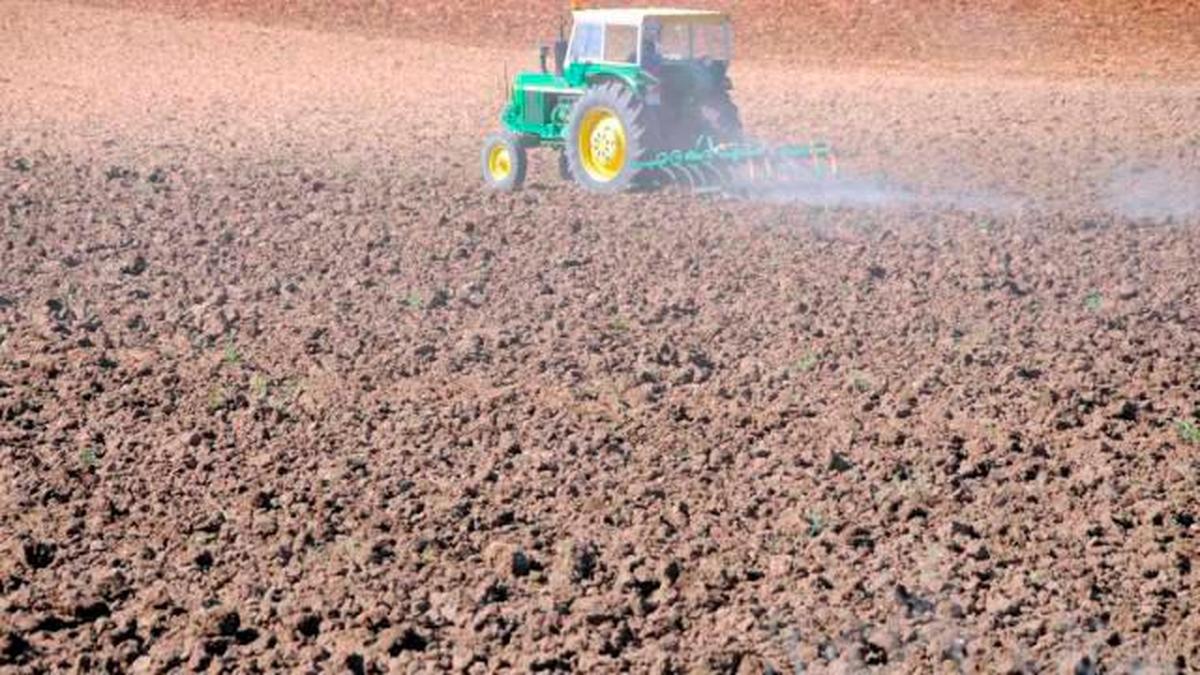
pixel 1127 37
pixel 281 389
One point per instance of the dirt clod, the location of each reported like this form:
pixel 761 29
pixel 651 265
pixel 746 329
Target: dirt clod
pixel 309 625
pixel 409 640
pixel 39 554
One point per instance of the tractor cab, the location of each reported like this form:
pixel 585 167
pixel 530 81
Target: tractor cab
pixel 684 51
pixel 649 38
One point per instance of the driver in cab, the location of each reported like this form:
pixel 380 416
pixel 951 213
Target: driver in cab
pixel 651 46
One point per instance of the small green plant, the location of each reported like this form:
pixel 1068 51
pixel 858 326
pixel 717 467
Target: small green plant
pixel 204 538
pixel 1189 432
pixel 259 386
pixel 1036 580
pixel 216 398
pixel 619 325
pixel 816 524
pixel 88 458
pixel 987 226
pixel 285 395
pixel 860 382
pixel 1093 301
pixel 807 362
pixel 414 301
pixel 428 555
pixel 3 334
pixel 230 355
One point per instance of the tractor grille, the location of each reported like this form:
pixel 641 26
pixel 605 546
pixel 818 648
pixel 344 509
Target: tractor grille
pixel 535 109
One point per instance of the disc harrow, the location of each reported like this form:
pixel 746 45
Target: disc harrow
pixel 742 170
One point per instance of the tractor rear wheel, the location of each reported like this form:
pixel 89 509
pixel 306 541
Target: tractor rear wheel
pixel 504 162
pixel 606 138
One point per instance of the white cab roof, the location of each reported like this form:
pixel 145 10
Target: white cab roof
pixel 635 17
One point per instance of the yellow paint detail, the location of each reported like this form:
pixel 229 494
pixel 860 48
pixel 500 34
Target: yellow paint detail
pixel 602 144
pixel 499 162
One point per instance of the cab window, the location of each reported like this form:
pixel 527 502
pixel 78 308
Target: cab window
pixel 621 44
pixel 684 40
pixel 676 41
pixel 586 43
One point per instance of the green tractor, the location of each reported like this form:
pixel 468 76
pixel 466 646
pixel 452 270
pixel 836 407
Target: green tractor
pixel 630 87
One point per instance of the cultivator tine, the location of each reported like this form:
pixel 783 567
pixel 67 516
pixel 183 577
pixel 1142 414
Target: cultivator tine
pixel 770 171
pixel 685 179
pixel 725 178
pixel 710 178
pixel 739 177
pixel 691 179
pixel 675 176
pixel 678 176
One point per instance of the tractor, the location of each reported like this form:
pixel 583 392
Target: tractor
pixel 635 98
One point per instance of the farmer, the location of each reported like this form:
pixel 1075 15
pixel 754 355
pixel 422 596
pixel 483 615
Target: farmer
pixel 651 45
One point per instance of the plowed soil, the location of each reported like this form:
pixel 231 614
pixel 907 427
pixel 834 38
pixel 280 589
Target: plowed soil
pixel 283 390
pixel 1139 37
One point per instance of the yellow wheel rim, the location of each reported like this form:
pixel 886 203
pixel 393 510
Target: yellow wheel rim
pixel 602 144
pixel 499 162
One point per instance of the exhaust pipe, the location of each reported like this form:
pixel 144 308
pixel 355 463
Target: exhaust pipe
pixel 560 50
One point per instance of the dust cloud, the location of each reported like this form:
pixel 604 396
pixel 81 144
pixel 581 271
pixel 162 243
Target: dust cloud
pixel 1154 193
pixel 847 190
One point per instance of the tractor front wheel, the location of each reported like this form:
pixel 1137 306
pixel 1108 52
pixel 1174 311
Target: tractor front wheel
pixel 504 162
pixel 606 138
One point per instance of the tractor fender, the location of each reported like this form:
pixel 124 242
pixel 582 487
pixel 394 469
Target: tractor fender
pixel 633 83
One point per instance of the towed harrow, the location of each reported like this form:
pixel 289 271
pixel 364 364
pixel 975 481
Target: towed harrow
pixel 640 98
pixel 740 170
